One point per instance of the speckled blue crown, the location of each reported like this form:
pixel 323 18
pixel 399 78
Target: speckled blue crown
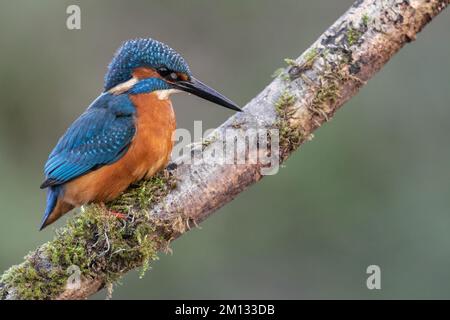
pixel 142 53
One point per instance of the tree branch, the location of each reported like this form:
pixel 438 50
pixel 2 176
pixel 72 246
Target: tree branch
pixel 300 99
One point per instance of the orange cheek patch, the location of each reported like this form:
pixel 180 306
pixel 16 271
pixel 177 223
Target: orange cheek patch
pixel 183 76
pixel 144 72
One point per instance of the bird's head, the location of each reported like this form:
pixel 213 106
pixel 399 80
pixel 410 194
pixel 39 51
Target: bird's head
pixel 147 65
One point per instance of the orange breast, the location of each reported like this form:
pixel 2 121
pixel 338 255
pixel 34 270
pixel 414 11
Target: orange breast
pixel 149 152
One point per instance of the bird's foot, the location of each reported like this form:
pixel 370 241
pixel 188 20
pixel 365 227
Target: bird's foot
pixel 118 215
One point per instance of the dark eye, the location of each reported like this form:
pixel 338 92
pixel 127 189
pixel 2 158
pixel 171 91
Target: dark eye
pixel 168 74
pixel 163 72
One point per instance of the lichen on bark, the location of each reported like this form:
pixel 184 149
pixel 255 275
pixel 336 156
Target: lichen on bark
pixel 300 99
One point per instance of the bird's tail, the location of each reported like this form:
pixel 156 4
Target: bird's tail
pixel 55 206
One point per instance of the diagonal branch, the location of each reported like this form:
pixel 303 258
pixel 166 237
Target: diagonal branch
pixel 95 249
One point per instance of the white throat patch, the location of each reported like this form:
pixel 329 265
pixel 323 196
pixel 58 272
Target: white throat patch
pixel 165 94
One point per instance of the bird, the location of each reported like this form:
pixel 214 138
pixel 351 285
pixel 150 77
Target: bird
pixel 125 134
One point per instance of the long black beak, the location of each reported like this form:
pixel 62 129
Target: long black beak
pixel 201 90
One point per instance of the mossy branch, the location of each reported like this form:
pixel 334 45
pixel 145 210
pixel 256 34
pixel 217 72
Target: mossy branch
pixel 302 97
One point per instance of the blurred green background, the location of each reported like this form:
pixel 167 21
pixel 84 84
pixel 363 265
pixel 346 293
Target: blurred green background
pixel 371 188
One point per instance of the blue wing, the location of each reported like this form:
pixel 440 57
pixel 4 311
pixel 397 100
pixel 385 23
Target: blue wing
pixel 100 136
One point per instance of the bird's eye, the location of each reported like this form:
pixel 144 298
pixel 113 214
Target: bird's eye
pixel 163 72
pixel 167 74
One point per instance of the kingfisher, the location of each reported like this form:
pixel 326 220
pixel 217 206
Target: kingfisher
pixel 125 135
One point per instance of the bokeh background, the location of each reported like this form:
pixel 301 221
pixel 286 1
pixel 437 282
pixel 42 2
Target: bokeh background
pixel 371 188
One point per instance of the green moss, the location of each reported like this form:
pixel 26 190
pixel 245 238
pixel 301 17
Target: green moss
pixel 295 67
pixel 309 59
pixel 140 196
pixel 285 100
pixel 147 246
pixel 326 95
pixel 97 242
pixel 30 283
pixel 289 138
pixel 328 91
pixel 279 72
pixel 353 35
pixel 291 62
pixel 282 73
pixel 365 20
pixel 310 56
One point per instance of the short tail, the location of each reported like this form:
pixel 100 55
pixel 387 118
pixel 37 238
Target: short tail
pixel 56 207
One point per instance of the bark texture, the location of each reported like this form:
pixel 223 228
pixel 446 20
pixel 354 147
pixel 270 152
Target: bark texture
pixel 303 96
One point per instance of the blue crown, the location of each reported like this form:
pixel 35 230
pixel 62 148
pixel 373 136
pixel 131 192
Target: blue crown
pixel 142 53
